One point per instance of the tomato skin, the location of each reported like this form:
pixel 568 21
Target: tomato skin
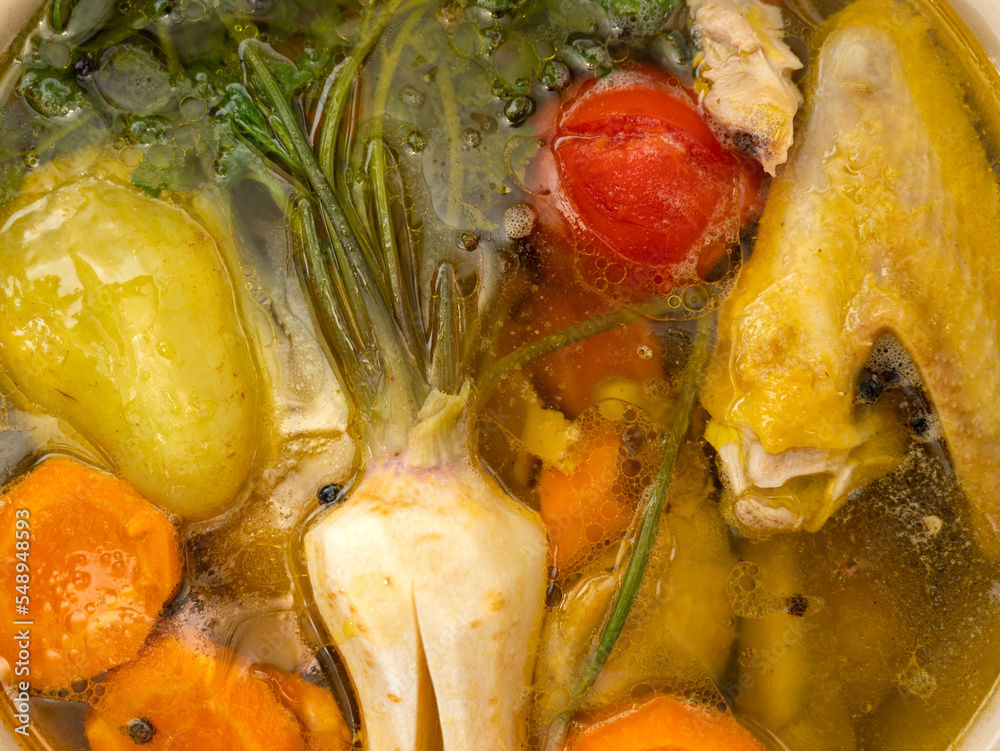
pixel 652 218
pixel 647 100
pixel 639 187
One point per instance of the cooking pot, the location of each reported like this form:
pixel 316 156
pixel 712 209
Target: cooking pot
pixel 981 16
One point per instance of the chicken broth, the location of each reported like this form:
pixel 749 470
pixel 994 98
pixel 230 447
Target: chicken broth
pixel 400 371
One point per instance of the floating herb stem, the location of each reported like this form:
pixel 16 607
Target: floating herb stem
pixel 57 24
pixel 445 373
pixel 643 548
pixel 635 569
pixel 327 289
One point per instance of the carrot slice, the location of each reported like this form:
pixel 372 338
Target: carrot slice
pixel 315 708
pixel 664 723
pixel 101 562
pixel 173 696
pixel 579 508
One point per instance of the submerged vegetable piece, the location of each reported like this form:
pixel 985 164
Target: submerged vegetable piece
pixel 645 185
pixel 570 377
pixel 681 630
pixel 102 564
pixel 120 319
pixel 685 616
pixel 782 649
pixel 595 470
pixel 431 581
pixel 579 505
pixel 748 69
pixel 663 723
pixel 315 708
pixel 190 700
pixel 887 220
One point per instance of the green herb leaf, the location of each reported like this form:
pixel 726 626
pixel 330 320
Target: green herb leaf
pixel 249 123
pixel 52 93
pixel 641 18
pixel 290 77
pixel 11 173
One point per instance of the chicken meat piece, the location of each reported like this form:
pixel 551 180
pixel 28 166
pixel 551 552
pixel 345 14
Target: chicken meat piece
pixel 748 70
pixel 885 223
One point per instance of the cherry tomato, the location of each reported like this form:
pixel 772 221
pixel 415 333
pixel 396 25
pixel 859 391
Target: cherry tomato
pixel 641 191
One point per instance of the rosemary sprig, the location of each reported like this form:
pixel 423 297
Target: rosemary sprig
pixel 445 373
pixel 390 392
pixel 399 275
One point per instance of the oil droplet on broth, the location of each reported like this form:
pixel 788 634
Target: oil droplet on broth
pixel 747 593
pixel 411 97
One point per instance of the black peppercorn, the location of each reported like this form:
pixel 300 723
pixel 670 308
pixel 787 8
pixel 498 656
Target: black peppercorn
pixel 330 493
pixel 140 731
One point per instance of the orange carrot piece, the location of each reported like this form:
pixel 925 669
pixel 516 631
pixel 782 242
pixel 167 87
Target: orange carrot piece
pixel 103 562
pixel 664 723
pixel 322 722
pixel 580 509
pixel 568 377
pixel 186 699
